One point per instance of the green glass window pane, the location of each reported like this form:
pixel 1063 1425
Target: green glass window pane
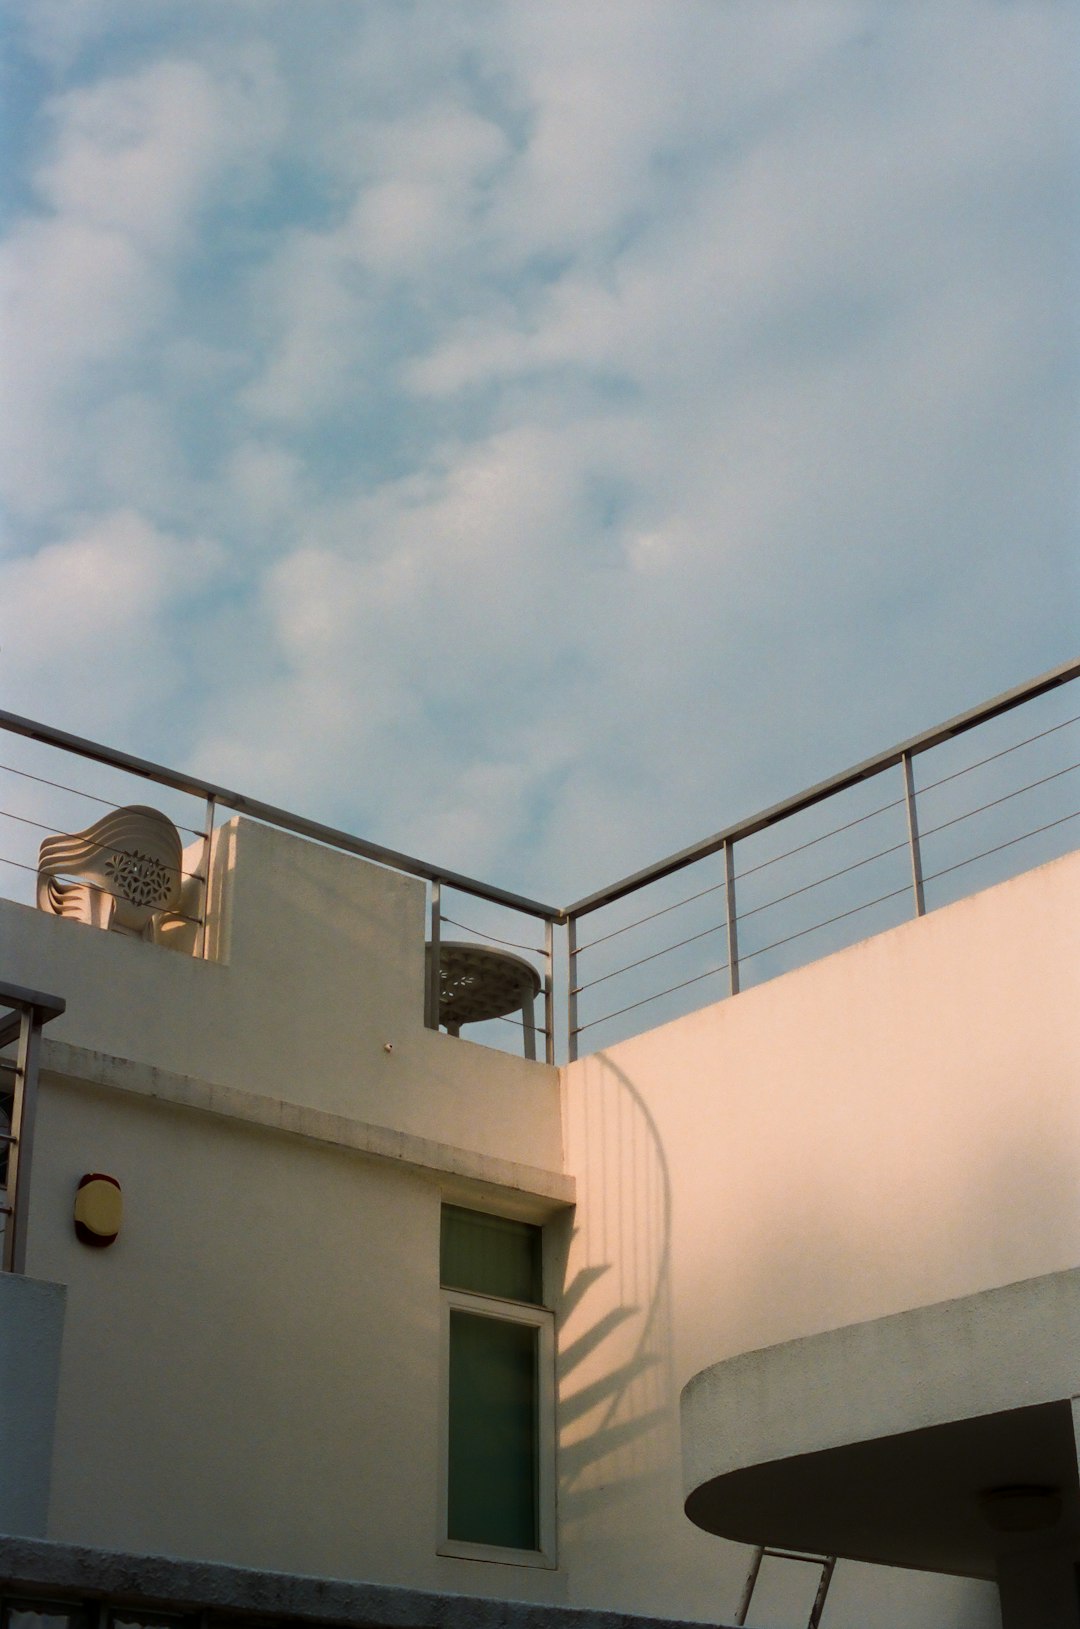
pixel 491 1255
pixel 493 1449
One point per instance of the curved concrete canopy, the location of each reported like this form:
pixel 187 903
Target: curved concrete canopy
pixel 874 1441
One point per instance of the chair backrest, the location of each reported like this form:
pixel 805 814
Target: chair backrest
pixel 119 873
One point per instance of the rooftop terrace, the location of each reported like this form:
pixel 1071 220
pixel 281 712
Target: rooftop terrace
pixel 955 809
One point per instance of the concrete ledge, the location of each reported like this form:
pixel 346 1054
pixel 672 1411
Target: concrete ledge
pixel 876 1441
pixel 539 1191
pixel 41 1566
pixel 954 1360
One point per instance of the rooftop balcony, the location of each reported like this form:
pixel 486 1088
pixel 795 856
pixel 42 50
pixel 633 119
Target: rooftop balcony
pixel 956 809
pixel 259 1043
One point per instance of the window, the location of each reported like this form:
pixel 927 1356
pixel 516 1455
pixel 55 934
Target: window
pixel 499 1429
pixel 37 1614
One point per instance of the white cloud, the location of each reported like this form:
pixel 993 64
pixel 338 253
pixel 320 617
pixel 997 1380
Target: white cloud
pixel 319 330
pixel 90 636
pixel 89 279
pixel 131 154
pixel 594 401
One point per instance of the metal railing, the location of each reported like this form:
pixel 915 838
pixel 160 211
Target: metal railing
pixel 215 797
pixel 900 842
pixel 745 856
pixel 22 1015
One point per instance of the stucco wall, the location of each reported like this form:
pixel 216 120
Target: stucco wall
pixel 892 1126
pixel 252 1372
pixel 318 963
pixel 31 1331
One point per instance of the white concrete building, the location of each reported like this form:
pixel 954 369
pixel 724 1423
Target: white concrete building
pixel 807 1260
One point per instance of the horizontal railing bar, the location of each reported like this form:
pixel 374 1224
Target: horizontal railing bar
pixel 73 791
pixel 518 1023
pixel 1040 735
pixel 45 1006
pixel 994 803
pixel 829 921
pixel 493 939
pixel 825 789
pixel 1011 842
pixel 273 815
pixel 795 1555
pixel 105 848
pixel 751 870
pixel 721 967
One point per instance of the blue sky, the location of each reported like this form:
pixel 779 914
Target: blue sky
pixel 534 435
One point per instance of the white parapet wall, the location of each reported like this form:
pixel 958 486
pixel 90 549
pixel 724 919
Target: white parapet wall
pixel 894 1126
pixel 312 995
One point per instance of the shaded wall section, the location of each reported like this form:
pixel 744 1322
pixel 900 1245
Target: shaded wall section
pixel 31 1331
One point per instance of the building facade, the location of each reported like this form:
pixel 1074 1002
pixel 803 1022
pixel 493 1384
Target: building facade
pixel 830 1216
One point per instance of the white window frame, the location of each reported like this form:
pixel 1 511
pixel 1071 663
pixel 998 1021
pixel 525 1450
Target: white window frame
pixel 541 1319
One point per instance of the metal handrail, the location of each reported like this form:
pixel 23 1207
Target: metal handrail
pixel 273 815
pixel 568 916
pixel 824 789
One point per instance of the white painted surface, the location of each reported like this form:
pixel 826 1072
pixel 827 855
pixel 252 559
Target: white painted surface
pixel 31 1331
pixel 251 1372
pixel 252 1369
pixel 1005 1348
pixel 876 1440
pixel 893 1126
pixel 527 1190
pixel 320 963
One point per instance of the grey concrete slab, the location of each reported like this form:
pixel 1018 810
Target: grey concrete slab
pixel 42 1567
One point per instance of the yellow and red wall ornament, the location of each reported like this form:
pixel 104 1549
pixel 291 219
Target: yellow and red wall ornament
pixel 99 1209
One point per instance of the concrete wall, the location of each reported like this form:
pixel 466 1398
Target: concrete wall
pixel 31 1331
pixel 892 1126
pixel 317 962
pixel 252 1373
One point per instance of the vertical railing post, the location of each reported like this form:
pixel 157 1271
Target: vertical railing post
pixel 10 1137
pixel 432 968
pixel 913 835
pixel 750 1585
pixel 571 989
pixel 549 988
pixel 202 946
pixel 21 1147
pixel 824 1581
pixel 732 919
